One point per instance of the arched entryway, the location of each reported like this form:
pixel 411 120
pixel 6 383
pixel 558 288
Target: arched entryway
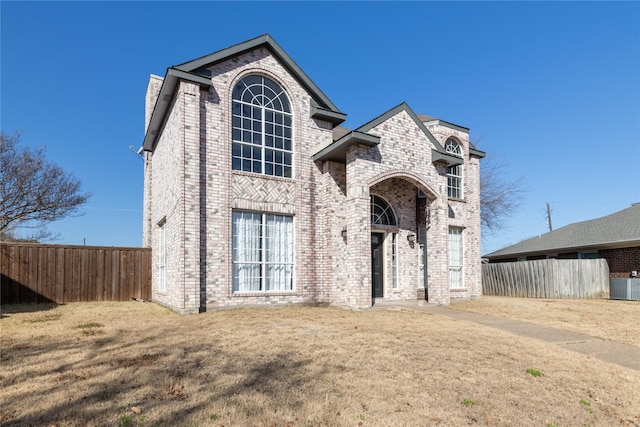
pixel 383 220
pixel 399 212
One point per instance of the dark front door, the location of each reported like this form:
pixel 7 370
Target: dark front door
pixel 376 264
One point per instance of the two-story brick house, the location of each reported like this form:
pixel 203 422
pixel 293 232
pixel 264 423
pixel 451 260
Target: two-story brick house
pixel 254 194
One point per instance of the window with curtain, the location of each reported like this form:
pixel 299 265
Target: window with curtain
pixel 263 257
pixel 262 131
pixel 456 258
pixel 454 173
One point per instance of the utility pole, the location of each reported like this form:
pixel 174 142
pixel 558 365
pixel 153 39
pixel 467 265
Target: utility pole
pixel 549 217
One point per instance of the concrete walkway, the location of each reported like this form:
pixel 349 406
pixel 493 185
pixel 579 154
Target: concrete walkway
pixel 612 352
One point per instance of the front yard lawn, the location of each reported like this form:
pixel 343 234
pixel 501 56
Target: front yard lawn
pixel 138 364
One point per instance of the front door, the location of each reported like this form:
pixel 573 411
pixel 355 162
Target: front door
pixel 376 264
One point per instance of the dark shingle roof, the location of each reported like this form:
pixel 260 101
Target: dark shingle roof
pixel 620 229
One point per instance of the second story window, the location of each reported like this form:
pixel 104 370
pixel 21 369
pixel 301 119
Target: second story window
pixel 262 140
pixel 454 173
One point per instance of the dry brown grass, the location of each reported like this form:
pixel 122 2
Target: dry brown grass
pixel 602 318
pixel 137 364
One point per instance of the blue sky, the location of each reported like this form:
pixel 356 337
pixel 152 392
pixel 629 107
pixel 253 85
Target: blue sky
pixel 551 89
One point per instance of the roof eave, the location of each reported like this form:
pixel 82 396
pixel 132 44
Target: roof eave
pixel 443 157
pixel 477 153
pixel 338 149
pixel 163 102
pixel 267 41
pixel 447 124
pixel 395 110
pixel 333 117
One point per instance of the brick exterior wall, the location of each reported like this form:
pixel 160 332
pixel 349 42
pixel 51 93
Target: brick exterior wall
pixel 153 90
pixel 622 261
pixel 191 187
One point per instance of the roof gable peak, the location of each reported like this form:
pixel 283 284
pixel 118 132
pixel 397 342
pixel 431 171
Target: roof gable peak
pixel 268 42
pixel 403 106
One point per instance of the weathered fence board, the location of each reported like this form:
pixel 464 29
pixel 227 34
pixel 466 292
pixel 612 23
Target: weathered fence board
pixel 547 278
pixel 33 273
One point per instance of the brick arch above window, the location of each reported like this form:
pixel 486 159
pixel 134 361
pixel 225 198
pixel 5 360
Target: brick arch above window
pixel 408 176
pixel 256 89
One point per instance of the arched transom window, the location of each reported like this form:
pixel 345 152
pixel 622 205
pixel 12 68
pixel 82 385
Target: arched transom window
pixel 261 128
pixel 452 147
pixel 454 173
pixel 381 212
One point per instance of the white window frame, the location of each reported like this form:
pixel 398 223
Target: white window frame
pixel 162 260
pixel 254 137
pixel 422 261
pixel 381 212
pixel 260 280
pixel 456 258
pixel 394 260
pixel 454 173
pixel 454 182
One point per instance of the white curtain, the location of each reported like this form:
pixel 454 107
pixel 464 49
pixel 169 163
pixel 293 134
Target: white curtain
pixel 260 242
pixel 246 251
pixel 279 252
pixel 456 258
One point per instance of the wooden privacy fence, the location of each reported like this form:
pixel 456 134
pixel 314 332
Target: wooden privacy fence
pixel 547 278
pixel 32 273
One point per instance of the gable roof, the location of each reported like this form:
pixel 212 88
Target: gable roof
pixel 196 66
pixel 195 71
pixel 428 120
pixel 337 150
pixel 620 229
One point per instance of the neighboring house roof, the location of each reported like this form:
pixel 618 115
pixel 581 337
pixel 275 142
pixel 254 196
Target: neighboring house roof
pixel 196 71
pixel 618 230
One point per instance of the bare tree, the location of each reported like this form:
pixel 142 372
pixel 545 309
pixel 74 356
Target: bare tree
pixel 499 194
pixel 33 191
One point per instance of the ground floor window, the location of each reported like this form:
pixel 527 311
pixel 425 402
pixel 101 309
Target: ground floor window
pixel 422 245
pixel 262 252
pixel 162 262
pixel 456 258
pixel 394 259
pixel 588 255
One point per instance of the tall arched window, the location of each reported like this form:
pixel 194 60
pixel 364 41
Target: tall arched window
pixel 454 173
pixel 381 212
pixel 261 128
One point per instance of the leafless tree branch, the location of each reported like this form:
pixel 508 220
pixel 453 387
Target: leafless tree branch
pixel 33 191
pixel 500 195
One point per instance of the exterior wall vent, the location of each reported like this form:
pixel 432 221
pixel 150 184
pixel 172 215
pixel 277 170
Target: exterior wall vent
pixel 625 289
